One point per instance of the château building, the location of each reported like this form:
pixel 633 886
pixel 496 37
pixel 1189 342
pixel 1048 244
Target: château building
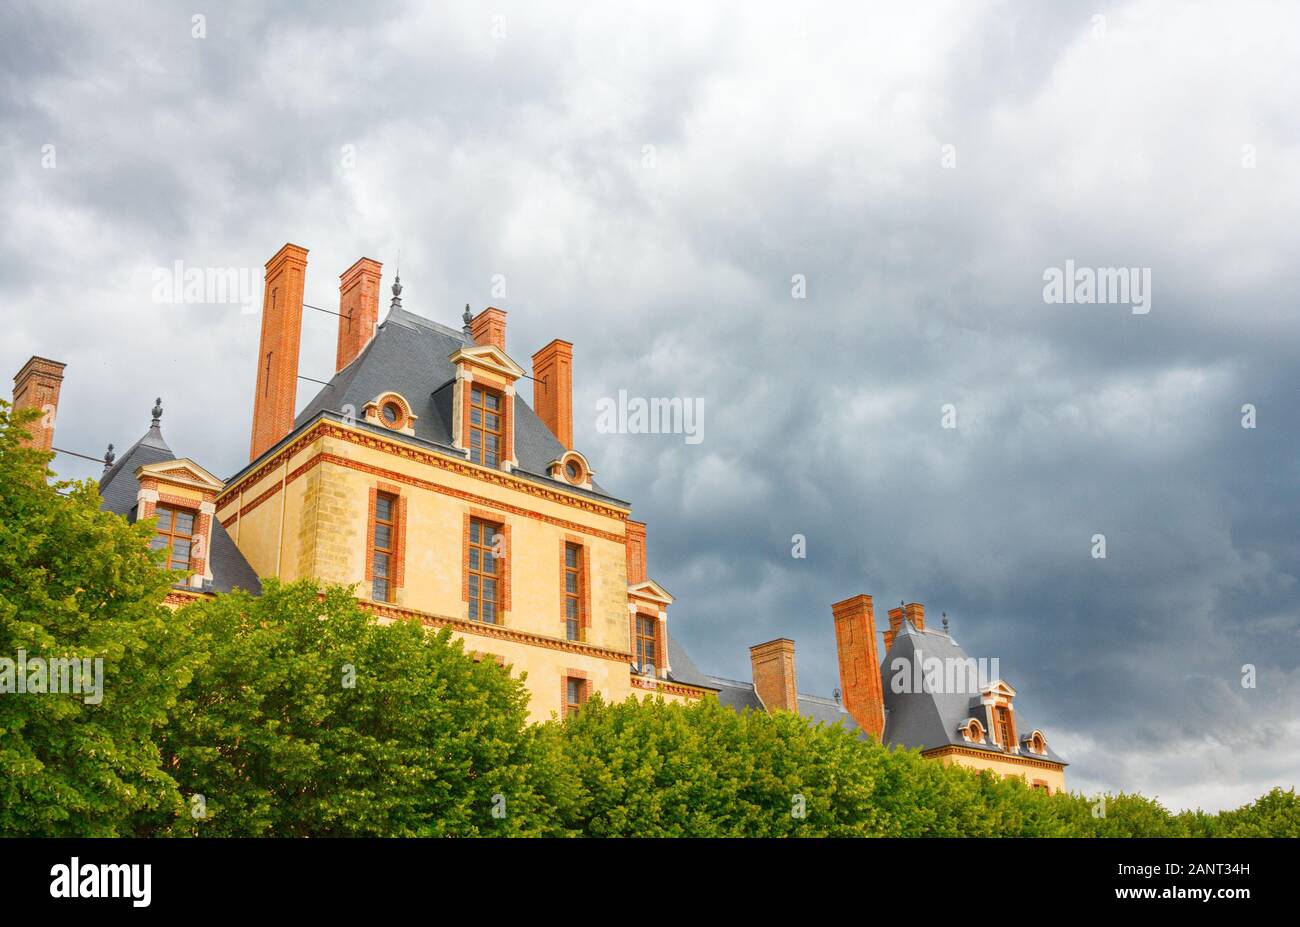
pixel 421 476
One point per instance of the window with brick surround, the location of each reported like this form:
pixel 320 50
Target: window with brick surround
pixel 575 693
pixel 1004 730
pixel 175 534
pixel 486 426
pixel 647 628
pixel 385 547
pixel 484 572
pixel 573 592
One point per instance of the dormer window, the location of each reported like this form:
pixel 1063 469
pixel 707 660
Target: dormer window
pixel 175 535
pixel 483 406
pixel 973 731
pixel 486 430
pixel 1037 743
pixel 391 411
pixel 571 467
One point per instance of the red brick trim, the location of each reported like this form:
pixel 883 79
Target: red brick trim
pixel 507 449
pixel 397 568
pixel 670 688
pixel 584 582
pixel 424 484
pixel 457 464
pixel 465 626
pixel 1016 758
pixel 564 689
pixel 503 576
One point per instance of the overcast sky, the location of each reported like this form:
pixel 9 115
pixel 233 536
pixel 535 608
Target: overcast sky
pixel 649 179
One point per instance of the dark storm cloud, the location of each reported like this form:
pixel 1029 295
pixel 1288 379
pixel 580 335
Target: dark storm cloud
pixel 648 182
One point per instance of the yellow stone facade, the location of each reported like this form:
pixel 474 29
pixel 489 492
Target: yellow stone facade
pixel 303 514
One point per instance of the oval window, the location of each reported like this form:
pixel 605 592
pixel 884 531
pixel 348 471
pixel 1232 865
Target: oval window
pixel 392 413
pixel 572 471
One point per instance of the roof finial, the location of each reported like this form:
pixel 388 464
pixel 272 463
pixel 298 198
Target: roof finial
pixel 157 412
pixel 467 319
pixel 945 622
pixel 109 457
pixel 397 292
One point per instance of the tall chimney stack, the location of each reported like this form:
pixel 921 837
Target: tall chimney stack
pixel 489 327
pixel 358 309
pixel 773 667
pixel 553 389
pixel 277 358
pixel 855 640
pixel 37 386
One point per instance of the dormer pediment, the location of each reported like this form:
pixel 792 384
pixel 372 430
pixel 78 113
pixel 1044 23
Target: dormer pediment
pixel 182 472
pixel 490 358
pixel 650 591
pixel 998 690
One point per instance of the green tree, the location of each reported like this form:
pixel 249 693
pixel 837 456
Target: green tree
pixel 77 582
pixel 307 717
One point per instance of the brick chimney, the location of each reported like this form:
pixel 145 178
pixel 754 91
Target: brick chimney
pixel 37 387
pixel 358 309
pixel 773 666
pixel 855 640
pixel 277 358
pixel 913 612
pixel 489 327
pixel 636 572
pixel 553 389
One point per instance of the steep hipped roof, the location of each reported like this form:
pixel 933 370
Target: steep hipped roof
pixel 410 355
pixel 120 489
pixel 928 719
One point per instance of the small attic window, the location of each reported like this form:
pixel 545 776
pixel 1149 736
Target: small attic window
pixel 572 471
pixel 1037 743
pixel 391 411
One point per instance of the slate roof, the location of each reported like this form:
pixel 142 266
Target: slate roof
pixel 741 695
pixel 410 355
pixel 929 719
pixel 119 489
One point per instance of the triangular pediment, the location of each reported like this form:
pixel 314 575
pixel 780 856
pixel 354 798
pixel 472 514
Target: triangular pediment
pixel 651 591
pixel 184 472
pixel 489 357
pixel 999 687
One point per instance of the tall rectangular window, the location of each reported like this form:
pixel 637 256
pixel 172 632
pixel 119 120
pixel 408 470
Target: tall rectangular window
pixel 485 426
pixel 484 572
pixel 175 535
pixel 1004 727
pixel 573 591
pixel 645 640
pixel 385 547
pixel 575 693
